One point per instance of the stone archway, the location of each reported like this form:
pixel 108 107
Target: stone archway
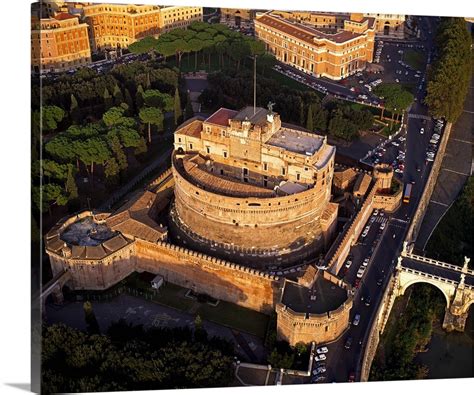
pixel 409 283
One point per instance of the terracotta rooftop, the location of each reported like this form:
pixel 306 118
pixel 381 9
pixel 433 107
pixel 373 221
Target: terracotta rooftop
pixel 304 32
pixel 220 184
pixel 362 184
pixel 63 16
pixel 221 116
pixel 192 127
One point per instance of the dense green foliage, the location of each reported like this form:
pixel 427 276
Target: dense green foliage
pixel 232 90
pixel 453 238
pixel 396 98
pixel 407 334
pixel 131 358
pixel 448 79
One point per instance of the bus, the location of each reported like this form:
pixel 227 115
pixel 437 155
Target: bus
pixel 407 193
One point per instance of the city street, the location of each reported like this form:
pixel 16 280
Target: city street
pixel 342 362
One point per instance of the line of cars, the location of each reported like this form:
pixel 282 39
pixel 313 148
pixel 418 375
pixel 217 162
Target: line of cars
pixel 319 367
pixel 378 51
pixel 300 78
pixel 373 84
pixel 433 147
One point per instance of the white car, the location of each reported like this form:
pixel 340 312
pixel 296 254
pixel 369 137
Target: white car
pixel 365 262
pixel 319 370
pixel 360 272
pixel 382 226
pixel 348 264
pixel 422 130
pixel 376 212
pixel 398 171
pixel 322 350
pixel 320 357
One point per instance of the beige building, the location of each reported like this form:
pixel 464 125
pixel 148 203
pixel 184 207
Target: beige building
pixel 391 25
pixel 250 183
pixel 59 43
pixel 237 17
pixel 322 48
pixel 119 25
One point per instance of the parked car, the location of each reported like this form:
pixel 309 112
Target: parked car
pixel 320 370
pixel 320 357
pixel 322 350
pixel 348 343
pixel 356 320
pixel 382 226
pixel 422 130
pixel 367 300
pixel 379 281
pixel 348 264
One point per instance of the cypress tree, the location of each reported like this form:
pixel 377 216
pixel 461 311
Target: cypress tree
pixel 177 108
pixel 108 102
pixel 91 320
pixel 309 118
pixel 139 97
pixel 74 109
pixel 118 97
pixel 189 107
pixel 129 101
pixel 71 186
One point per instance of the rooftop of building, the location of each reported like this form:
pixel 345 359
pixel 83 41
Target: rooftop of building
pixel 255 117
pixel 323 297
pixel 296 141
pixel 194 168
pixel 192 127
pixel 63 16
pixel 87 232
pixel 221 116
pixel 305 32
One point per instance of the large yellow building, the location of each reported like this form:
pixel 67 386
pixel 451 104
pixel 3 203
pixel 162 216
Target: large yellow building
pixel 119 25
pixel 59 43
pixel 323 50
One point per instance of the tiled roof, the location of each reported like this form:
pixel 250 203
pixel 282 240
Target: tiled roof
pixel 221 116
pixel 63 16
pixel 303 32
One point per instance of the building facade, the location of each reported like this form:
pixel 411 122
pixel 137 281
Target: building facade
pixel 389 25
pixel 59 43
pixel 119 25
pixel 248 182
pixel 234 17
pixel 332 51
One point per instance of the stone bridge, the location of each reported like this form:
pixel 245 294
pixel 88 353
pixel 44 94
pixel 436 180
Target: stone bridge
pixel 54 287
pixel 456 283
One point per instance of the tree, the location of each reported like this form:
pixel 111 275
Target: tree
pixel 188 111
pixel 280 360
pixel 108 102
pixel 71 186
pixel 139 97
pixel 195 46
pixel 154 98
pixel 396 98
pixel 129 101
pixel 74 109
pixel 51 116
pixel 309 118
pixel 118 96
pixel 116 147
pixel 111 172
pixel 93 151
pixel 91 320
pixel 449 77
pixel 151 116
pixel 177 108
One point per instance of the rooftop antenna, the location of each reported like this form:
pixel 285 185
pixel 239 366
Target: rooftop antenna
pixel 254 84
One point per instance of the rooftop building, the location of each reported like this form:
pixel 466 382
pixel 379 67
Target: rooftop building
pixel 339 46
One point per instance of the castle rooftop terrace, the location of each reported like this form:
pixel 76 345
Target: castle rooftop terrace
pixel 87 232
pixel 327 297
pixel 295 141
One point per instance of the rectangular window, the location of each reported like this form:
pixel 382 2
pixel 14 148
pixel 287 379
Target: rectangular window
pixel 298 176
pixel 265 166
pixel 246 171
pixel 283 171
pixel 208 150
pixel 225 154
pixel 190 146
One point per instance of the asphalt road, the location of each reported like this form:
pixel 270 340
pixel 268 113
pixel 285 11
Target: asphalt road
pixel 341 361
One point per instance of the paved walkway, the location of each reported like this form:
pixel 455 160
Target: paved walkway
pixel 455 170
pixel 117 195
pixel 147 313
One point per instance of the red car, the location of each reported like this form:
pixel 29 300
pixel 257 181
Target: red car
pixel 357 283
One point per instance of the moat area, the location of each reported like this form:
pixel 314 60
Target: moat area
pixel 450 355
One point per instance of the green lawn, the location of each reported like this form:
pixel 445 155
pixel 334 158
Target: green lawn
pixel 414 59
pixel 225 313
pixel 235 316
pixel 289 82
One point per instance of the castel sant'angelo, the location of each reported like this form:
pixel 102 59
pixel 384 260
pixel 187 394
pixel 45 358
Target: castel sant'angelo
pixel 243 215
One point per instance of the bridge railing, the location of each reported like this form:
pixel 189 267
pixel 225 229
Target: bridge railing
pixel 437 263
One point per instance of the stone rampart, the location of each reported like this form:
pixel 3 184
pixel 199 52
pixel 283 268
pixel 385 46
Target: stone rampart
pixel 216 277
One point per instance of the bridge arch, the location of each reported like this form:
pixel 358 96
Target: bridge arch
pixel 407 284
